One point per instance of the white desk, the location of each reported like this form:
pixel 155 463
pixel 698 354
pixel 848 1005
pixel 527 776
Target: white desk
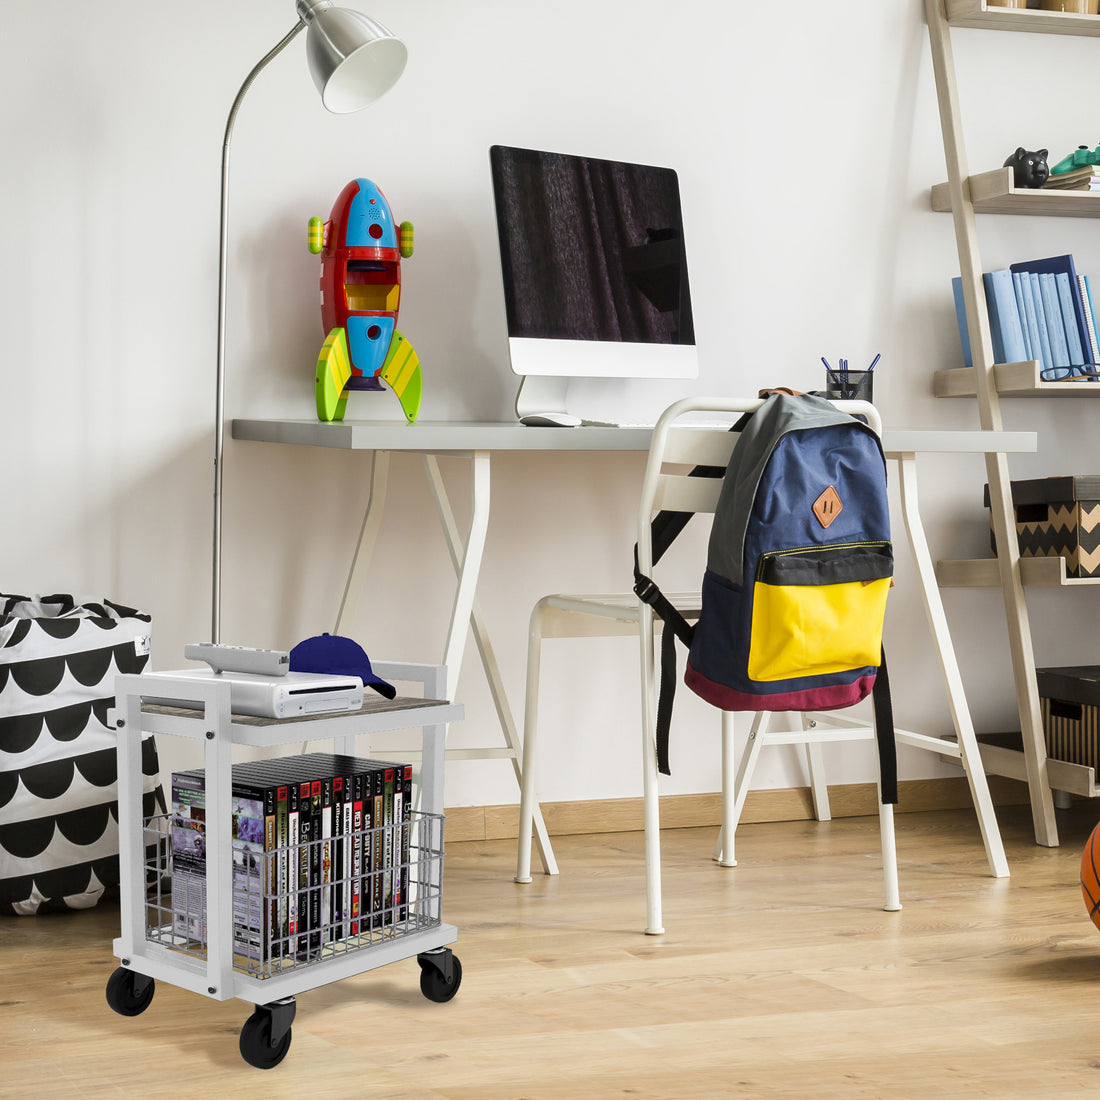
pixel 477 441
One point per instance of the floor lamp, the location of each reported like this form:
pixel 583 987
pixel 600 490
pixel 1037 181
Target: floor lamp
pixel 353 60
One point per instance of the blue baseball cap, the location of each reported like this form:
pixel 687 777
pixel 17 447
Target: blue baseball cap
pixel 337 656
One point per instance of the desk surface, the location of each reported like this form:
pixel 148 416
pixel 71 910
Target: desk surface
pixel 462 437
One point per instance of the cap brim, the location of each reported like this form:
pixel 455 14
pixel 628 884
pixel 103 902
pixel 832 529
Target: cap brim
pixel 388 690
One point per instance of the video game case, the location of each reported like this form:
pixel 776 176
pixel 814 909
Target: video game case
pixel 304 891
pixel 333 850
pixel 402 836
pixel 250 883
pixel 397 809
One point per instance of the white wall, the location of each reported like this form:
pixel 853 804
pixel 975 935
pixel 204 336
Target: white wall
pixel 806 138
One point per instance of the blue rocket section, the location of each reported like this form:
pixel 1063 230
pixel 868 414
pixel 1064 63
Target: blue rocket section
pixel 369 354
pixel 369 209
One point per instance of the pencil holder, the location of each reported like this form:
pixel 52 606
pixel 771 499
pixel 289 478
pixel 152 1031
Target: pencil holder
pixel 853 385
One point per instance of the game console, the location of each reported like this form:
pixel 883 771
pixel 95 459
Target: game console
pixel 292 695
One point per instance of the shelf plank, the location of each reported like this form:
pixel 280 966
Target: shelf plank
pixel 994 193
pixel 1073 778
pixel 1002 755
pixel 1011 380
pixel 984 573
pixel 988 16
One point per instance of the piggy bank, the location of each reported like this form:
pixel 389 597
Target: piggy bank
pixel 1028 169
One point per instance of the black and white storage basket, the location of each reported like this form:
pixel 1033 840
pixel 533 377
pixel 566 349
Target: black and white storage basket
pixel 58 762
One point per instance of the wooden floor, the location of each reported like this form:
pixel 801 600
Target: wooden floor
pixel 779 978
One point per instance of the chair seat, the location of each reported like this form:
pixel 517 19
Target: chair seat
pixel 614 608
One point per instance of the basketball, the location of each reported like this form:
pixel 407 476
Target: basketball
pixel 1090 875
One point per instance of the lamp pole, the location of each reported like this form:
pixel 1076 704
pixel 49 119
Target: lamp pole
pixel 219 402
pixel 353 61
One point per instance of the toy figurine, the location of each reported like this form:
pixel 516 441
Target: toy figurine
pixel 361 250
pixel 1079 158
pixel 1028 169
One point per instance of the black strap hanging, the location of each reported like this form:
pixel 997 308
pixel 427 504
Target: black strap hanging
pixel 884 735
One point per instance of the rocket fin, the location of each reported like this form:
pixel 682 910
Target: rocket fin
pixel 333 372
pixel 402 371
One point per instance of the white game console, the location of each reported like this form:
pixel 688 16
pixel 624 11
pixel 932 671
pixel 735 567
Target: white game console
pixel 292 695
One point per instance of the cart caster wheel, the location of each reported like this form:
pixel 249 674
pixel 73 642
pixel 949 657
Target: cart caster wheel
pixel 439 980
pixel 129 993
pixel 257 1046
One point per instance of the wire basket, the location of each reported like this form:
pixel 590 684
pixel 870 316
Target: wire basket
pixel 297 905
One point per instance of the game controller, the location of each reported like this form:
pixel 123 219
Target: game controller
pixel 239 658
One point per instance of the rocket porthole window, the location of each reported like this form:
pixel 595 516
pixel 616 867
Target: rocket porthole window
pixel 374 332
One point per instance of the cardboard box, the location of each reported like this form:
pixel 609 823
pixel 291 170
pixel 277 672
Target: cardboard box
pixel 1058 517
pixel 1070 702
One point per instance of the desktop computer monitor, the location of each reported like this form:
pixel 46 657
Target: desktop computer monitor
pixel 595 274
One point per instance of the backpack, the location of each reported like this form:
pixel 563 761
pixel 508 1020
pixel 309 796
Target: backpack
pixel 799 564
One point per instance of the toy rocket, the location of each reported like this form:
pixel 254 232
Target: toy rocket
pixel 361 250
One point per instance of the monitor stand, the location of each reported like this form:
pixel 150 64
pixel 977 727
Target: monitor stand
pixel 540 401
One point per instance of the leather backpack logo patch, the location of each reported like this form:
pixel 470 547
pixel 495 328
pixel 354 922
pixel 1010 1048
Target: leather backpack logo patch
pixel 827 506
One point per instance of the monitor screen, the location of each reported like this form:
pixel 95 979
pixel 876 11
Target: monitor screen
pixel 594 266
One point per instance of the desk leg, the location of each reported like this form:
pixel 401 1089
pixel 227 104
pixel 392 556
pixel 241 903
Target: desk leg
pixel 960 712
pixel 368 533
pixel 467 613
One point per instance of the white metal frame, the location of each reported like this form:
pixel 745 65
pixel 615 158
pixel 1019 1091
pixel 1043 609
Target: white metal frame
pixel 214 725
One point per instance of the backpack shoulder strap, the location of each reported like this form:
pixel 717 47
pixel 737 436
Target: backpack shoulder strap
pixel 884 735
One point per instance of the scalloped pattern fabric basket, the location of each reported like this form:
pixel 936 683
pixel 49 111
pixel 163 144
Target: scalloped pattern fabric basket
pixel 58 762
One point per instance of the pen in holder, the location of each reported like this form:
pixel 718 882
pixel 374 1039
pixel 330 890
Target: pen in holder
pixel 843 384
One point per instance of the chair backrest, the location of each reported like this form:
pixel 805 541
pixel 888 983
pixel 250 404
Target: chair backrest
pixel 692 432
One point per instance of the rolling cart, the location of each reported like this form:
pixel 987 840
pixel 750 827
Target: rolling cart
pixel 203 953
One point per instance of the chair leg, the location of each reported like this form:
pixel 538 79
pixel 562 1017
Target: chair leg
pixel 723 848
pixel 650 793
pixel 819 787
pixel 889 857
pixel 729 787
pixel 530 733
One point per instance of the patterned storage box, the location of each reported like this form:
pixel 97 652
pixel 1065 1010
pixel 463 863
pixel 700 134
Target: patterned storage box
pixel 58 759
pixel 1058 517
pixel 1070 703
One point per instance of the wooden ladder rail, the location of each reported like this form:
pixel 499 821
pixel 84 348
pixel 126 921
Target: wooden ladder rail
pixel 989 411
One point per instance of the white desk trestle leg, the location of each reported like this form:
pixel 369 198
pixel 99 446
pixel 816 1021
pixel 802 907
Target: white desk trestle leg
pixel 472 614
pixel 966 747
pixel 466 611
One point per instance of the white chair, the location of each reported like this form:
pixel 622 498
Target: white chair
pixel 676 446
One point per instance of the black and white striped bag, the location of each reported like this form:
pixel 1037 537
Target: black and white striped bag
pixel 58 764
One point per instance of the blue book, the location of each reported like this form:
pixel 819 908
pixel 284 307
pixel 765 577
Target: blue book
pixel 1032 318
pixel 1021 307
pixel 994 319
pixel 1053 265
pixel 960 316
pixel 1004 316
pixel 1046 360
pixel 1056 330
pixel 1085 283
pixel 1069 319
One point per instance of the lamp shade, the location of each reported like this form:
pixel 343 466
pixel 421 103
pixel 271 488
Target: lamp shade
pixel 353 59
